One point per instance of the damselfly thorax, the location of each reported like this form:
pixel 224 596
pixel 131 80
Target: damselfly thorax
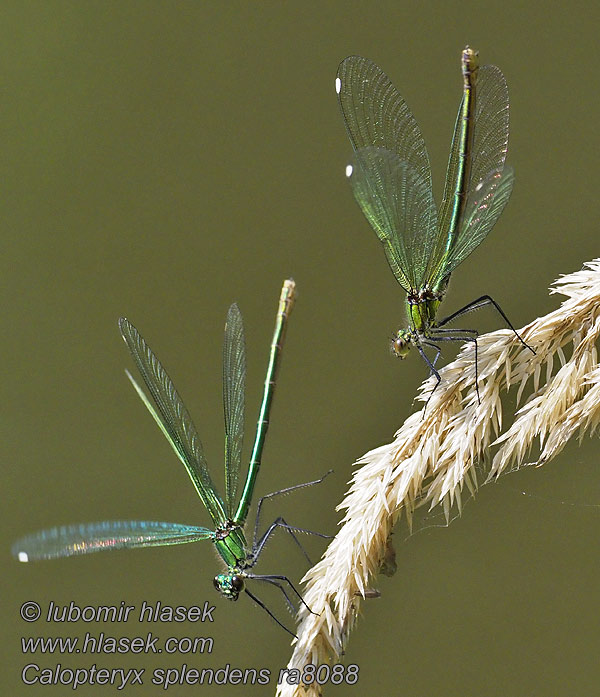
pixel 421 310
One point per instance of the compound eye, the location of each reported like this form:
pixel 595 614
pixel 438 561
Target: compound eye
pixel 237 583
pixel 399 347
pixel 216 583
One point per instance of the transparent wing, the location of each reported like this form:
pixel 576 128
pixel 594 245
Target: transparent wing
pixel 490 137
pixel 488 155
pixel 172 418
pixel 234 385
pixel 86 538
pixel 484 207
pixel 376 115
pixel 399 207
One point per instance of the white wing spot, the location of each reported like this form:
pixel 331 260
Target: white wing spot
pixel 23 556
pixel 349 170
pixel 338 85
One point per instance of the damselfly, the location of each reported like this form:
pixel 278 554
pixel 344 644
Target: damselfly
pixel 391 181
pixel 174 421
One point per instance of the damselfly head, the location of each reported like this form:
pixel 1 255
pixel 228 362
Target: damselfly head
pixel 401 343
pixel 229 585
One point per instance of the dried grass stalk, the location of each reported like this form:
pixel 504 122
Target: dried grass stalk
pixel 434 455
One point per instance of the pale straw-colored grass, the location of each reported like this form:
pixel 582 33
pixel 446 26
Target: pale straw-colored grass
pixel 436 454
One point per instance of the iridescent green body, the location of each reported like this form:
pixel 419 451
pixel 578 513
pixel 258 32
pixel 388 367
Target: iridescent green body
pixel 166 407
pixel 230 543
pixel 391 181
pixel 421 314
pixel 455 194
pixel 286 302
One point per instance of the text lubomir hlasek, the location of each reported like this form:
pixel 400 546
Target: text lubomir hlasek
pixel 148 612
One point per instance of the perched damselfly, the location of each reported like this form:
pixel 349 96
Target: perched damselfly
pixel 391 181
pixel 176 424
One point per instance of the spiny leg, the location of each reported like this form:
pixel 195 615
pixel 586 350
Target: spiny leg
pixel 438 350
pixel 274 579
pixel 287 490
pixel 289 603
pixel 460 335
pixel 432 371
pixel 266 609
pixel 476 305
pixel 257 546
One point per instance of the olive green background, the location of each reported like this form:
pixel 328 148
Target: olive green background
pixel 163 159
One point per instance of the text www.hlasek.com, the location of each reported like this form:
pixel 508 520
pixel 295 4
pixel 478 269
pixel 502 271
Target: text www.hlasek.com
pixel 102 643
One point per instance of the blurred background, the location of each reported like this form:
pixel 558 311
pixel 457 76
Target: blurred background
pixel 162 160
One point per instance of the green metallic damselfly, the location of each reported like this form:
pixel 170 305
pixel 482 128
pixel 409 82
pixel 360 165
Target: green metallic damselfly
pixel 391 181
pixel 176 424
